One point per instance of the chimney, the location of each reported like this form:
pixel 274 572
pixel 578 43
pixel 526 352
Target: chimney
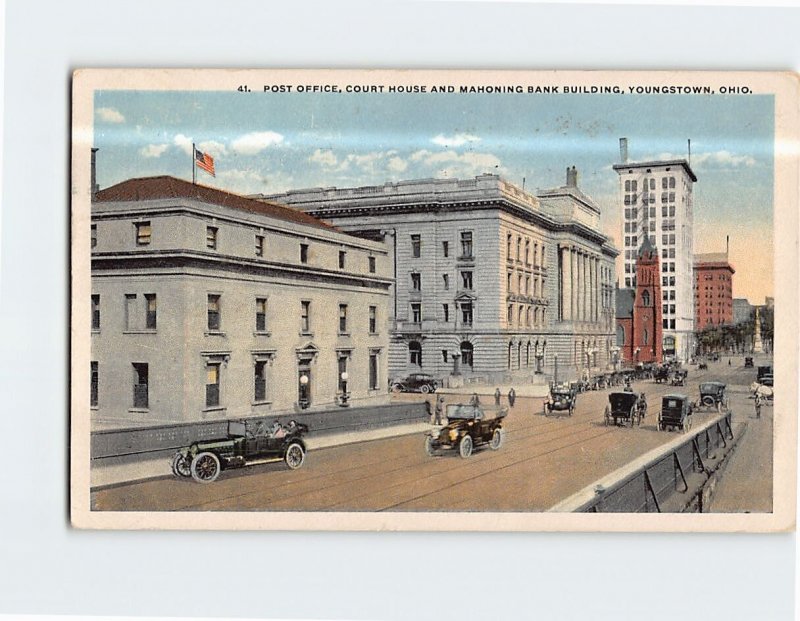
pixel 94 186
pixel 572 177
pixel 623 150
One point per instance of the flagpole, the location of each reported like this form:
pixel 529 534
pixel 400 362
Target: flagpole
pixel 194 159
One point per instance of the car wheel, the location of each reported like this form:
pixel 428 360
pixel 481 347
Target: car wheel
pixel 465 447
pixel 497 440
pixel 424 389
pixel 295 456
pixel 181 467
pixel 397 388
pixel 707 401
pixel 205 467
pixel 429 446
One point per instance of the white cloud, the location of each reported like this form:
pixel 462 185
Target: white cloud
pixel 397 164
pixel 456 140
pixel 213 148
pixel 452 164
pixel 325 158
pixel 153 150
pixel 722 158
pixel 110 115
pixel 184 143
pixel 255 142
pixel 250 181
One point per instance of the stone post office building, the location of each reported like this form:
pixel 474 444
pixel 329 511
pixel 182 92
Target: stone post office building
pixel 208 305
pixel 492 282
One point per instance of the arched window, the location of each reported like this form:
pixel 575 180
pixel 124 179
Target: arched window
pixel 466 353
pixel 510 345
pixel 415 353
pixel 646 298
pixel 519 355
pixel 528 354
pixel 645 337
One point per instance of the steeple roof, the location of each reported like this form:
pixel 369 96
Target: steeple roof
pixel 647 246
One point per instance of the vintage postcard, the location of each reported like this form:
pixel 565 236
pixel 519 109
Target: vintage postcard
pixel 434 300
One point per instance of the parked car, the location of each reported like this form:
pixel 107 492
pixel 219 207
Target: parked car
pixel 468 426
pixel 762 371
pixel 416 382
pixel 748 361
pixel 676 413
pixel 562 398
pixel 247 443
pixel 628 407
pixel 712 396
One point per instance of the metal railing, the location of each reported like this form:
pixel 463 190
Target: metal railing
pixel 651 483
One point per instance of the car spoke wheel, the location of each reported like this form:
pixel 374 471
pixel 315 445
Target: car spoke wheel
pixel 295 456
pixel 205 467
pixel 465 447
pixel 496 441
pixel 181 467
pixel 397 388
pixel 424 389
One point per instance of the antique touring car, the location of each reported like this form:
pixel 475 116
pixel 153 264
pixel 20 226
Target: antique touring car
pixel 467 426
pixel 562 398
pixel 246 444
pixel 628 407
pixel 676 413
pixel 712 396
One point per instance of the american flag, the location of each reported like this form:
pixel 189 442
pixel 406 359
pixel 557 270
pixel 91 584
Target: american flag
pixel 204 161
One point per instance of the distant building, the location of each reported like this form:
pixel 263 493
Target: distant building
pixel 742 310
pixel 713 276
pixel 493 282
pixel 209 305
pixel 656 199
pixel 639 311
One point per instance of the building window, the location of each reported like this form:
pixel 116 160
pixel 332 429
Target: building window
pixel 342 318
pixel 444 355
pixel 371 261
pixel 260 381
pixel 466 313
pixel 94 235
pixel 143 233
pixel 508 247
pixel 259 245
pixel 141 396
pixel 416 313
pixel 519 283
pixel 211 237
pixel 527 285
pixel 519 247
pixel 93 389
pixel 341 376
pixel 261 314
pixel 415 353
pixel 519 315
pixel 527 252
pixel 373 319
pixel 342 257
pixel 446 281
pixel 416 282
pixel 95 312
pixel 373 370
pixel 213 312
pixel 416 246
pixel 150 313
pixel 671 324
pixel 212 384
pixel 466 354
pixel 303 253
pixel 466 279
pixel 446 311
pixel 446 248
pixel 305 317
pixel 466 244
pixel 665 323
pixel 510 314
pixel 672 182
pixel 130 311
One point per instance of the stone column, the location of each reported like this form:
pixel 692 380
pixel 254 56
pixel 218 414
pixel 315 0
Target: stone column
pixel 565 267
pixel 576 289
pixel 573 281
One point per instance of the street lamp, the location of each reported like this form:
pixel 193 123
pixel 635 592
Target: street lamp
pixel 555 369
pixel 304 401
pixel 345 394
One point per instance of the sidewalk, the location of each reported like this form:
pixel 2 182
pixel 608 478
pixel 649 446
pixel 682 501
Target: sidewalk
pixel 746 484
pixel 118 470
pixel 523 390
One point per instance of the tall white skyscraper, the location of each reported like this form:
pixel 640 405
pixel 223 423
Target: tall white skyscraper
pixel 656 200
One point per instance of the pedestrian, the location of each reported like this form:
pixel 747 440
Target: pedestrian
pixel 437 418
pixel 474 400
pixel 758 405
pixel 512 396
pixel 729 362
pixel 497 396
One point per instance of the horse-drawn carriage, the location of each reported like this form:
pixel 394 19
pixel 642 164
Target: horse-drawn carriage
pixel 678 377
pixel 626 408
pixel 676 413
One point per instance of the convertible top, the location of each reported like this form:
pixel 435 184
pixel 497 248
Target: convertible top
pixel 461 411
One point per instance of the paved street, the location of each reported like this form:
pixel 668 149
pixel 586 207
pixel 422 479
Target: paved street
pixel 542 461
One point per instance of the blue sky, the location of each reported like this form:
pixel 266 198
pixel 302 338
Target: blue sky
pixel 274 142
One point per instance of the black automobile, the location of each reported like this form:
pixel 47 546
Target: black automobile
pixel 416 382
pixel 467 426
pixel 562 398
pixel 712 396
pixel 767 380
pixel 748 362
pixel 762 371
pixel 247 443
pixel 676 413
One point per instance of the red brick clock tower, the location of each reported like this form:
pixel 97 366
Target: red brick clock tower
pixel 647 335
